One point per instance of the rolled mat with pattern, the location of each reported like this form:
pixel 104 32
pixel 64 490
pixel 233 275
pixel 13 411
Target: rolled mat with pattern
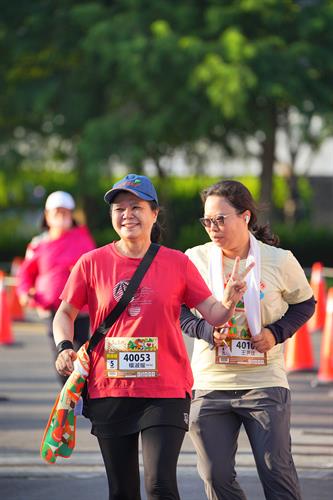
pixel 59 436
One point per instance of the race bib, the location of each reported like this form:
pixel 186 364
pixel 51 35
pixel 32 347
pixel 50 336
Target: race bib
pixel 239 352
pixel 131 357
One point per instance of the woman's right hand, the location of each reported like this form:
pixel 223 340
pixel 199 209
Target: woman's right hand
pixel 65 362
pixel 24 299
pixel 219 335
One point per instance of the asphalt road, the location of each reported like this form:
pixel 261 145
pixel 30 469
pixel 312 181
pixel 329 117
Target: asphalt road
pixel 27 392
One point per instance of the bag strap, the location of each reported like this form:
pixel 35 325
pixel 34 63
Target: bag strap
pixel 135 281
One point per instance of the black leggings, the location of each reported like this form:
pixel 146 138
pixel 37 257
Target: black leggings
pixel 160 450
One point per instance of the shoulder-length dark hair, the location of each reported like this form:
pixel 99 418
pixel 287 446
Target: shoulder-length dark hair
pixel 241 199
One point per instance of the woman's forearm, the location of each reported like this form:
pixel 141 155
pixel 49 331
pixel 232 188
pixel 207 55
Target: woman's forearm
pixel 63 333
pixel 293 319
pixel 222 313
pixel 63 328
pixel 63 323
pixel 195 327
pixel 215 312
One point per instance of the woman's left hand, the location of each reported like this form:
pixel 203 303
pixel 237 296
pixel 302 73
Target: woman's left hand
pixel 236 285
pixel 264 341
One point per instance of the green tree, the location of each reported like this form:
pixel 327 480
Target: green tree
pixel 105 75
pixel 268 57
pixel 131 80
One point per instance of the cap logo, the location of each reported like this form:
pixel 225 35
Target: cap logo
pixel 129 183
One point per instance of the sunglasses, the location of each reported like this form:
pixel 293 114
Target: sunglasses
pixel 218 221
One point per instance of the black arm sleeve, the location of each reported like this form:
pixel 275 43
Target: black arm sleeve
pixel 295 317
pixel 282 329
pixel 196 327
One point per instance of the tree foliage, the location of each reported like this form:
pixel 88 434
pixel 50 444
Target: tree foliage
pixel 131 80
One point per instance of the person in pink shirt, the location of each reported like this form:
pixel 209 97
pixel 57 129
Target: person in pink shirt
pixel 147 396
pixel 49 259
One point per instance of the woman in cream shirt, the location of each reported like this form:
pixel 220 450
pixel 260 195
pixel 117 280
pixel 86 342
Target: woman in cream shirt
pixel 239 373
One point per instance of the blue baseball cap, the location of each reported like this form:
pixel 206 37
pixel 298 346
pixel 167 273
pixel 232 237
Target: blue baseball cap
pixel 139 185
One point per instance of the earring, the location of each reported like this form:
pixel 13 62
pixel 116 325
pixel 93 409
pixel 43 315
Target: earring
pixel 247 219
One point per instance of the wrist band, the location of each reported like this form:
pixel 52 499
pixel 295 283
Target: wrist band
pixel 64 344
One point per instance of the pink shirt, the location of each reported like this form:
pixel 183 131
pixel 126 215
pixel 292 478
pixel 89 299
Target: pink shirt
pixel 98 280
pixel 48 263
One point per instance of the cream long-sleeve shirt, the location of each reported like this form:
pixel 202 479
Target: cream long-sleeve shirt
pixel 283 282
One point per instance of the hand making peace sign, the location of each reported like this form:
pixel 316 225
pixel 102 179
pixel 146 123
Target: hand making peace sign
pixel 236 285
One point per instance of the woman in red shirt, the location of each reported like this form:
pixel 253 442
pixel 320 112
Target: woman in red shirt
pixel 131 399
pixel 48 261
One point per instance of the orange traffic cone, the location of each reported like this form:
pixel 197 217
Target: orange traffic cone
pixel 16 263
pixel 298 354
pixel 318 285
pixel 15 308
pixel 325 374
pixel 6 336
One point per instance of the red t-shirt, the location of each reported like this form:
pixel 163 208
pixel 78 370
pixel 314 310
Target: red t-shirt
pixel 98 280
pixel 48 263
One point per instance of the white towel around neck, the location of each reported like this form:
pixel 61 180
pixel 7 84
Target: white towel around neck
pixel 252 294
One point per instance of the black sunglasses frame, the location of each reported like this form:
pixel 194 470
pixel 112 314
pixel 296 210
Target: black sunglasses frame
pixel 217 221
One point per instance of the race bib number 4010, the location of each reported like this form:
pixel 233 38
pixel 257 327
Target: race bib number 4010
pixel 239 352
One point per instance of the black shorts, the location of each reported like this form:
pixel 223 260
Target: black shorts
pixel 122 416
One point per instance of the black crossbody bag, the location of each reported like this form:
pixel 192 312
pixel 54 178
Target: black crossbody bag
pixel 127 296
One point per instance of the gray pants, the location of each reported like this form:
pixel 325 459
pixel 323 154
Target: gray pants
pixel 215 421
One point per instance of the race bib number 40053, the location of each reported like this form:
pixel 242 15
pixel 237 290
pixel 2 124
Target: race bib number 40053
pixel 131 357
